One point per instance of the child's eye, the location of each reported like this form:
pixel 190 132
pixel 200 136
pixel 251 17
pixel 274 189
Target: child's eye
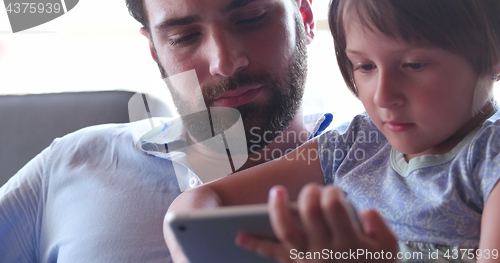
pixel 365 67
pixel 252 20
pixel 185 39
pixel 414 66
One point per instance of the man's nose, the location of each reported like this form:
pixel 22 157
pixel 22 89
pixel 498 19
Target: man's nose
pixel 226 54
pixel 388 91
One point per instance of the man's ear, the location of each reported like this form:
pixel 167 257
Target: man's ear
pixel 145 33
pixel 307 18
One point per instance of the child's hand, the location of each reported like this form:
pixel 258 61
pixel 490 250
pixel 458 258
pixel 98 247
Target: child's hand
pixel 329 226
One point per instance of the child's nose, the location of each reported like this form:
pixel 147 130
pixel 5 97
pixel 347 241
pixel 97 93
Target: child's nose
pixel 389 91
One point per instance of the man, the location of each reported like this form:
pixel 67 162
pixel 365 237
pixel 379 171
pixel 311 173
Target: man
pixel 93 196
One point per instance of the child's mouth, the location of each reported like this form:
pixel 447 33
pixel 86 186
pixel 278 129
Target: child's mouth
pixel 398 126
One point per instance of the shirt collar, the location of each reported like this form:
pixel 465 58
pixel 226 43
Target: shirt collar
pixel 166 131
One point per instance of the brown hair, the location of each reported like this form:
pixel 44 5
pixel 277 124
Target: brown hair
pixel 137 10
pixel 465 27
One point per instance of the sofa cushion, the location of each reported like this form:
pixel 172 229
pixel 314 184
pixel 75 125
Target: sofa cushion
pixel 29 123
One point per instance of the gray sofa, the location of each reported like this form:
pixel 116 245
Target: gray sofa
pixel 29 123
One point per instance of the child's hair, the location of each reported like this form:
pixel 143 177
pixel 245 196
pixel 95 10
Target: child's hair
pixel 470 28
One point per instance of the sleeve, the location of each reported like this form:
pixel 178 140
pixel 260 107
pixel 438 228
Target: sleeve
pixel 20 202
pixel 330 155
pixel 336 146
pixel 486 162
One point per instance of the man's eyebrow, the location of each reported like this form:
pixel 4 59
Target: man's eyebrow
pixel 180 21
pixel 235 5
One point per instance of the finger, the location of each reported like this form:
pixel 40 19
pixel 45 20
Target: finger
pixel 264 247
pixel 311 216
pixel 282 222
pixel 336 211
pixel 377 230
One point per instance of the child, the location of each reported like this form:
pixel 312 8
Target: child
pixel 424 155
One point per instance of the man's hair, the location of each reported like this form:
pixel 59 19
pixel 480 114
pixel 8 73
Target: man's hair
pixel 137 10
pixel 469 28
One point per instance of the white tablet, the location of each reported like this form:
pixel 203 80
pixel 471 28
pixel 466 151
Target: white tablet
pixel 208 235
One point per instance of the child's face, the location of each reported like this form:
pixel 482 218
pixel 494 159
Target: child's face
pixel 418 95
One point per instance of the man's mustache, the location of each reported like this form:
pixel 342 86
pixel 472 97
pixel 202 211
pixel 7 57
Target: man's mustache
pixel 214 90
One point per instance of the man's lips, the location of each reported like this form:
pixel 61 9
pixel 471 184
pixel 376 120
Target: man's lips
pixel 398 126
pixel 240 96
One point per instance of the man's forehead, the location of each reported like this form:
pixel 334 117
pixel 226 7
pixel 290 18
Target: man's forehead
pixel 159 10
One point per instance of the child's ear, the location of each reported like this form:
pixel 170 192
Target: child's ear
pixel 307 18
pixel 145 33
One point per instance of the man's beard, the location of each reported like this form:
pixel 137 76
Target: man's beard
pixel 262 123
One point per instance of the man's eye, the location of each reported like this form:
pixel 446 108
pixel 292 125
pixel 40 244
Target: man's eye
pixel 252 20
pixel 414 66
pixel 184 39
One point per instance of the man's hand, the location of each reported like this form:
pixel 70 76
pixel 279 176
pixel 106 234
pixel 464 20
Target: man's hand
pixel 328 222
